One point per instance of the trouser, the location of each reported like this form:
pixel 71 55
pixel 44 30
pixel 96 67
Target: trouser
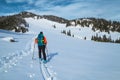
pixel 42 52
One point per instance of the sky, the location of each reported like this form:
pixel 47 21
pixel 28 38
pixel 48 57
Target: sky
pixel 69 9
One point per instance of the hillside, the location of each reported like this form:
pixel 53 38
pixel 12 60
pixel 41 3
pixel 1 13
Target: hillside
pixel 13 23
pixel 96 29
pixel 97 24
pixel 102 29
pixel 68 58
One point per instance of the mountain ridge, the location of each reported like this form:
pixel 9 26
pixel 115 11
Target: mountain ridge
pixel 79 21
pixel 97 25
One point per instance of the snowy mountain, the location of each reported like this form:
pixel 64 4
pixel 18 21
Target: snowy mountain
pixel 69 58
pixel 100 30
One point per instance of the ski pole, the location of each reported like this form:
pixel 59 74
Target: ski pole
pixel 33 51
pixel 47 51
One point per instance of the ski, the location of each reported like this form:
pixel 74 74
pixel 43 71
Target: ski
pixel 45 71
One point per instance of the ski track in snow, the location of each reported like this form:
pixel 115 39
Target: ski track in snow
pixel 11 60
pixel 47 72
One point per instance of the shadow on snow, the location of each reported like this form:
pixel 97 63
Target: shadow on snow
pixel 51 55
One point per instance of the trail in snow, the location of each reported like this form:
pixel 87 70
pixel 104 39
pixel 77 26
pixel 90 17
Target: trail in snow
pixel 12 60
pixel 47 72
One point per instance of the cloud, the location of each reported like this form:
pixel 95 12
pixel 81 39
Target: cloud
pixel 69 9
pixel 31 1
pixel 15 1
pixel 41 3
pixel 87 9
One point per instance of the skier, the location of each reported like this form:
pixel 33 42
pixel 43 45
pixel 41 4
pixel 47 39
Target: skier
pixel 42 42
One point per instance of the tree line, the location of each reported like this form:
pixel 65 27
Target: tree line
pixel 97 24
pixel 16 23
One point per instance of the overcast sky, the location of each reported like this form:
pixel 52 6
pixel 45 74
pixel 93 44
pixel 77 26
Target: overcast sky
pixel 69 9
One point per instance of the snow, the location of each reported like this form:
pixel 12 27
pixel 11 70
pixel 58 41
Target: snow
pixel 69 58
pixel 7 38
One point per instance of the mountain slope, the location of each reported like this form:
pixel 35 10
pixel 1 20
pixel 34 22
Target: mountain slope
pixel 74 59
pixel 68 58
pixel 96 29
pixel 13 23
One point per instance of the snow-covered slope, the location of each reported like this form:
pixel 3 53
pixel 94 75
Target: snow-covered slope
pixel 68 58
pixel 87 28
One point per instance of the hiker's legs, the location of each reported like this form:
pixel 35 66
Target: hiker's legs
pixel 43 51
pixel 39 49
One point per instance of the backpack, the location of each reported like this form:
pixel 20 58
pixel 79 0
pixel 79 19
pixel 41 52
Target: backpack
pixel 36 40
pixel 41 40
pixel 44 40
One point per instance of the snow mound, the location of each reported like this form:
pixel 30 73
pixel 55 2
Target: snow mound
pixel 9 39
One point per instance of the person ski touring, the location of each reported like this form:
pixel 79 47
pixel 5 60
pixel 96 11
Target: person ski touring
pixel 42 42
